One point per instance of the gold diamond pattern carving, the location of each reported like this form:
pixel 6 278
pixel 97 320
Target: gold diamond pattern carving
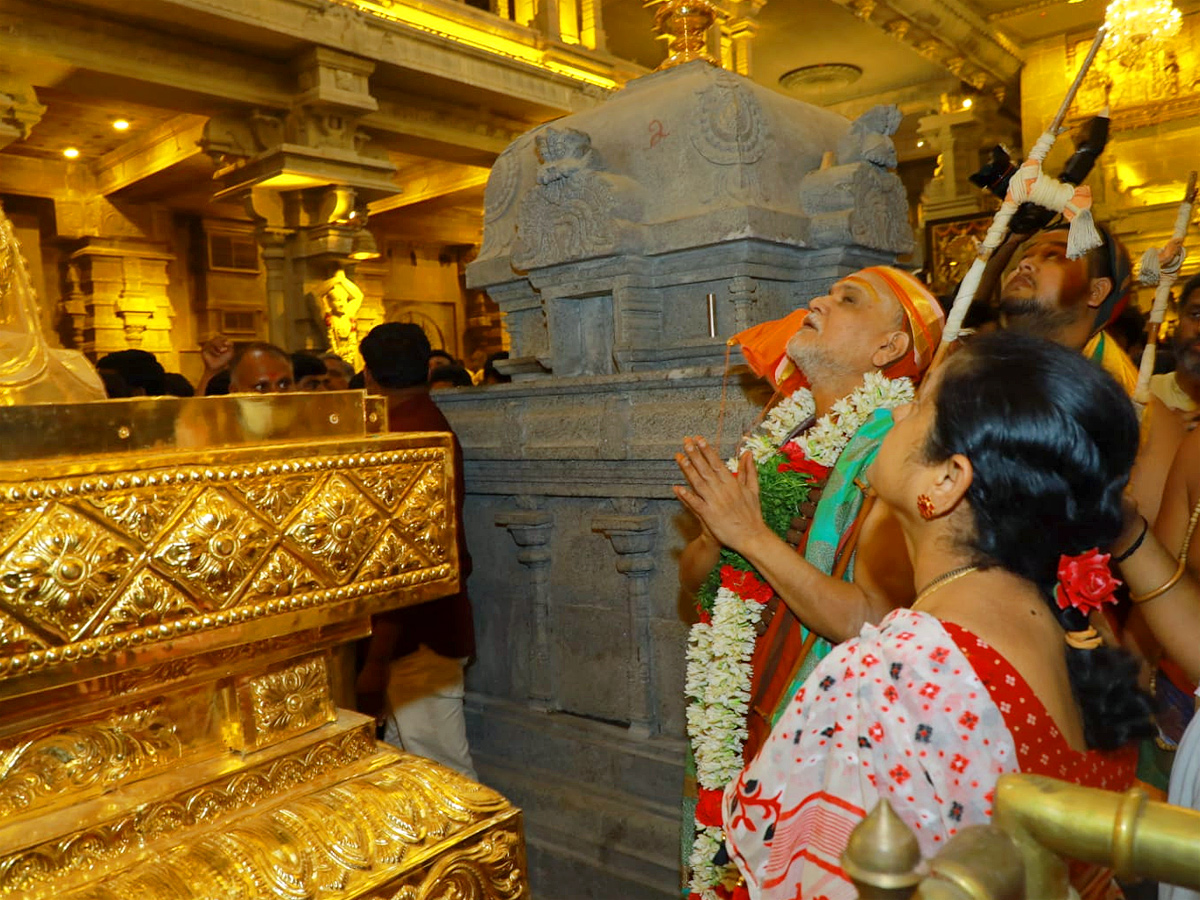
pixel 275 497
pixel 16 638
pixel 388 484
pixel 11 520
pixel 391 556
pixel 282 575
pixel 422 516
pixel 149 600
pixel 120 558
pixel 140 513
pixel 214 546
pixel 281 704
pixel 63 570
pixel 337 527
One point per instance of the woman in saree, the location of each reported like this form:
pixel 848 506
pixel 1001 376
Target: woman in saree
pixel 1005 476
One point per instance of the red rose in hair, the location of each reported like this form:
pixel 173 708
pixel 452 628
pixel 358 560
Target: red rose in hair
pixel 1085 581
pixel 741 892
pixel 708 807
pixel 745 585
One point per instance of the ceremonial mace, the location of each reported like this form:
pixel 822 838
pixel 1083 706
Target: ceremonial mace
pixel 1156 269
pixel 1029 183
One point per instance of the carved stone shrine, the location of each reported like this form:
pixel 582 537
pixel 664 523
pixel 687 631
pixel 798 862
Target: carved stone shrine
pixel 605 234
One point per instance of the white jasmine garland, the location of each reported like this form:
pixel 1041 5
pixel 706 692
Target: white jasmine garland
pixel 824 441
pixel 719 653
pixel 705 874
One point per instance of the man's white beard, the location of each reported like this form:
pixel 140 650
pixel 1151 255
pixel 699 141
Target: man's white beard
pixel 818 364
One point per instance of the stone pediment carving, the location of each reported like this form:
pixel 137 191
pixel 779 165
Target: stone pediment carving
pixel 605 231
pixel 572 213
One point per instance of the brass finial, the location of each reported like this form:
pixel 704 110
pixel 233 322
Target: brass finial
pixel 882 857
pixel 686 22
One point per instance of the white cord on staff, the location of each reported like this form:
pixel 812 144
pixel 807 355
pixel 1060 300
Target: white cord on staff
pixel 999 227
pixel 1164 273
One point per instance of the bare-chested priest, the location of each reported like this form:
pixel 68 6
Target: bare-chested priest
pixel 843 364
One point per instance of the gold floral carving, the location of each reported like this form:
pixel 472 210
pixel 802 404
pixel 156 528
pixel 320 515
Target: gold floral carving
pixel 387 486
pixel 491 868
pixel 62 570
pixel 107 562
pixel 148 600
pixel 281 704
pixel 275 497
pixel 214 546
pixel 141 514
pixel 103 753
pixel 48 869
pixel 422 515
pixel 357 835
pixel 283 574
pixel 390 557
pixel 337 526
pixel 16 637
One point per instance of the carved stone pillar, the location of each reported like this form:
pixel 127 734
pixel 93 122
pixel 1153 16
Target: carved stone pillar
pixel 960 136
pixel 530 529
pixel 633 538
pixel 117 298
pixel 742 292
pixel 273 243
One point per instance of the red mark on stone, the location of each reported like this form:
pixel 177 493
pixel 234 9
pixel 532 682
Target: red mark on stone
pixel 657 132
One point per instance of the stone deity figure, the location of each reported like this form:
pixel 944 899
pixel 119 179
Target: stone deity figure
pixel 340 299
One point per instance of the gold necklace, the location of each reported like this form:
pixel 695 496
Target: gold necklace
pixel 941 581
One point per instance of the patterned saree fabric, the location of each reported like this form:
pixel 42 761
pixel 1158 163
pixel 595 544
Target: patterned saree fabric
pixel 923 714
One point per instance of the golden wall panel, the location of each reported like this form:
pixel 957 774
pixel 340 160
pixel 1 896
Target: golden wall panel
pixel 170 619
pixel 96 560
pixel 45 869
pixel 351 838
pixel 284 703
pixel 79 756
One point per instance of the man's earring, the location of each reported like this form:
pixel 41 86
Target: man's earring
pixel 925 507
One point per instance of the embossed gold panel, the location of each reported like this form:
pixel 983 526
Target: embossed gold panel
pixel 285 702
pixel 169 624
pixel 97 559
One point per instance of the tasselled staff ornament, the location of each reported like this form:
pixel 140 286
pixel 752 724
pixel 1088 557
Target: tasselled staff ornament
pixel 1161 268
pixel 1030 184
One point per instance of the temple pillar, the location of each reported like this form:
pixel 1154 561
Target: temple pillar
pixel 117 299
pixel 531 530
pixel 633 538
pixel 273 245
pixel 959 136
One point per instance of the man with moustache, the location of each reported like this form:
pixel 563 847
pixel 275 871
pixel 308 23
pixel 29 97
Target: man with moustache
pixel 1070 301
pixel 1180 390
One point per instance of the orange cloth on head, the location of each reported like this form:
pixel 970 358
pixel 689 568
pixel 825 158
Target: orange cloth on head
pixel 765 346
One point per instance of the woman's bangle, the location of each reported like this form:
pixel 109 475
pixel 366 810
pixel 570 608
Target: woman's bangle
pixel 1132 548
pixel 1161 589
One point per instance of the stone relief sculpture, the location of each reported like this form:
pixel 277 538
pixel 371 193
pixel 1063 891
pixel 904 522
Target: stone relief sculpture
pixel 731 131
pixel 859 200
pixel 571 211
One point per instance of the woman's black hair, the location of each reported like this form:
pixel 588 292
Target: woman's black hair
pixel 1051 438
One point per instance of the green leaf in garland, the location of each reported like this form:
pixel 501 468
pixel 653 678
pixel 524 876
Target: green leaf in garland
pixel 780 495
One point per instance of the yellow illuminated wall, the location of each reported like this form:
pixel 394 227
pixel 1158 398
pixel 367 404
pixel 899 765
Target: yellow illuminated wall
pixel 1155 139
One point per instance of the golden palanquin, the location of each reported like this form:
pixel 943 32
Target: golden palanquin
pixel 178 582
